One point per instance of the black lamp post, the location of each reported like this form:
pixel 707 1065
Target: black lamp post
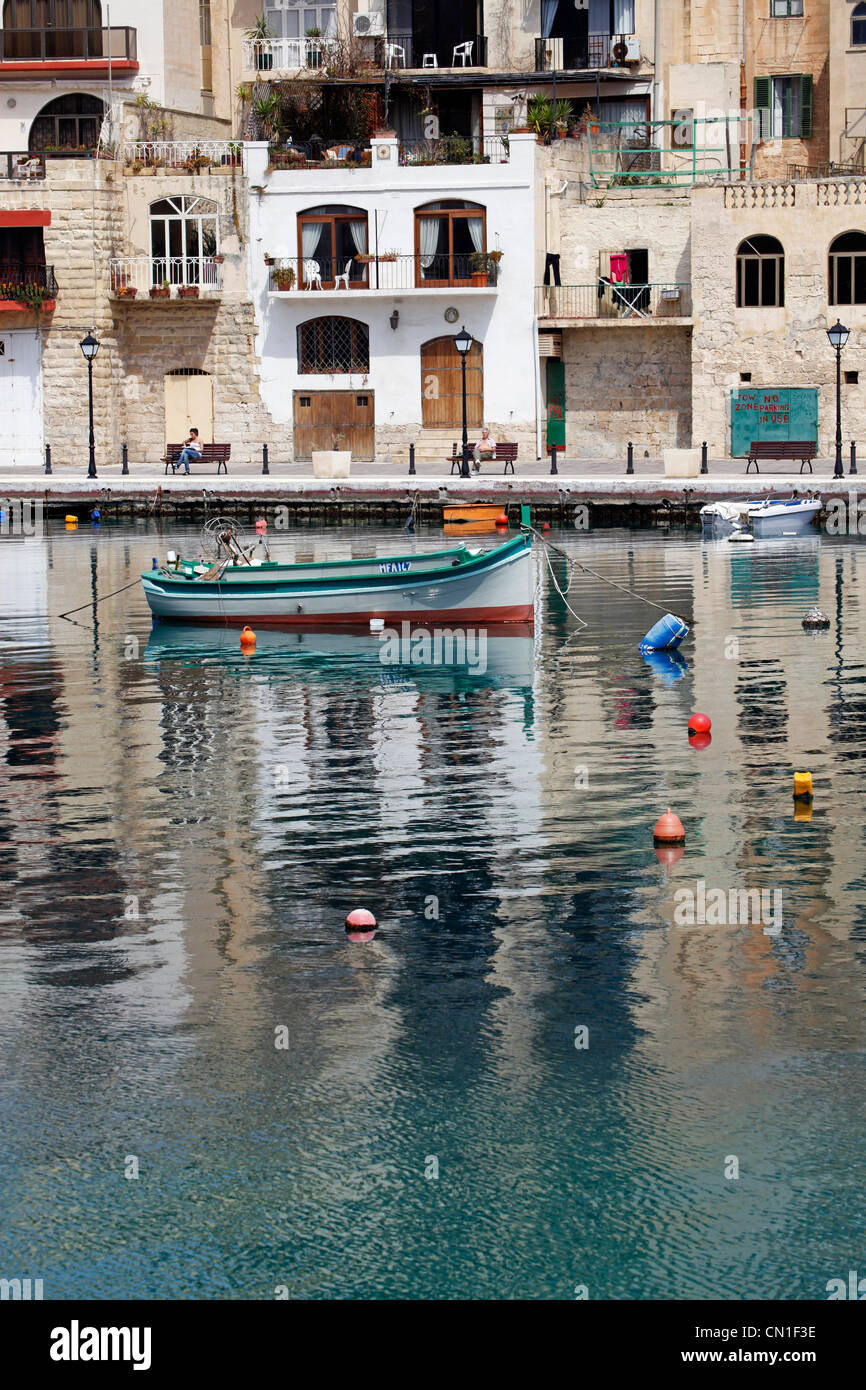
pixel 463 342
pixel 838 336
pixel 90 347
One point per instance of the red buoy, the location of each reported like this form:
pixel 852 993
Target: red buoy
pixel 546 526
pixel 669 830
pixel 700 724
pixel 361 925
pixel 502 519
pixel 248 638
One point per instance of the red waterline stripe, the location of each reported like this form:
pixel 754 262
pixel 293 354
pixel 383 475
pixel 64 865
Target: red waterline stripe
pixel 519 613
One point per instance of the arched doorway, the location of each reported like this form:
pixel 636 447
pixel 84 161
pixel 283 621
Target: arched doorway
pixel 68 123
pixel 442 387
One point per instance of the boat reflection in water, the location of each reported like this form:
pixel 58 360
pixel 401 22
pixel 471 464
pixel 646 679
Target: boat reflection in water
pixel 445 658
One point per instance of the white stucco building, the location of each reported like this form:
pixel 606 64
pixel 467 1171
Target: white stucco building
pixel 362 276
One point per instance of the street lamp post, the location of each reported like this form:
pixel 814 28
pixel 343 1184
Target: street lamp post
pixel 90 347
pixel 838 336
pixel 463 342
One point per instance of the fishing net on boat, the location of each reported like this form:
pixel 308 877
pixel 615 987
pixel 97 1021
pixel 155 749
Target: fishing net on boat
pixel 223 537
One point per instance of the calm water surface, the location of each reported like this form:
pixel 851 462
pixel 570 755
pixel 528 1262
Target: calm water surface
pixel 183 829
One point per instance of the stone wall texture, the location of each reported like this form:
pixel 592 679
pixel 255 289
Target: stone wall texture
pixel 626 383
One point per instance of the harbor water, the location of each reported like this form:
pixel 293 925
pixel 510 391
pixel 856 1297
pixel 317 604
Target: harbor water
pixel 539 1079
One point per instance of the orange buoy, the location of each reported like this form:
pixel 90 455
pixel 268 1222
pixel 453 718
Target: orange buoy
pixel 248 638
pixel 700 724
pixel 700 741
pixel 361 925
pixel 502 519
pixel 669 830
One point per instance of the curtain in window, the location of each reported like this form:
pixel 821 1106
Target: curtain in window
pixel 476 231
pixel 359 235
pixel 428 239
pixel 548 17
pixel 311 235
pixel 623 16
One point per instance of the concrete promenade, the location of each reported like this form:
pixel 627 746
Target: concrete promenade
pixel 598 481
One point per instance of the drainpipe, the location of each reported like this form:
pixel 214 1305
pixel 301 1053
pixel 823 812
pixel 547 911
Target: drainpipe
pixel 538 401
pixel 656 81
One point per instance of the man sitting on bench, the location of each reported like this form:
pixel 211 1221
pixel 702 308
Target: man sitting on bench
pixel 484 449
pixel 190 449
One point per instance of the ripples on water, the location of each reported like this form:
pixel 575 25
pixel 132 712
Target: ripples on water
pixel 241 806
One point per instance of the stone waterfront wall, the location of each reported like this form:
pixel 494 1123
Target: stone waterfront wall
pixel 786 346
pixel 626 383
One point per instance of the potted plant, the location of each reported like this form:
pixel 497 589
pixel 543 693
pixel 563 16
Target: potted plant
pixel 187 291
pixel 126 291
pixel 258 34
pixel 563 111
pixel 541 116
pixel 479 266
pixel 363 258
pixel 162 291
pixel 284 277
pixel 387 255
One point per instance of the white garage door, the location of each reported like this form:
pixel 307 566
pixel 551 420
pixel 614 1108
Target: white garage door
pixel 20 398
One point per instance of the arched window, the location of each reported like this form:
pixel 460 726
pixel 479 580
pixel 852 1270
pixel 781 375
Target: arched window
pixel 333 345
pixel 760 273
pixel 333 236
pixel 450 240
pixel 858 26
pixel 67 124
pixel 184 241
pixel 847 280
pixel 46 29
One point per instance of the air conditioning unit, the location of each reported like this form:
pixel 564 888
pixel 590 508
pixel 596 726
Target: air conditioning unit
pixel 369 26
pixel 625 51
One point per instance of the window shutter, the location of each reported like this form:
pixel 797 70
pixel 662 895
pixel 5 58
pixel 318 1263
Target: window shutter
pixel 806 106
pixel 762 106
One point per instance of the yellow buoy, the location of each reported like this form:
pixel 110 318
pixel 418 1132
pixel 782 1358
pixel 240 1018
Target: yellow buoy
pixel 71 520
pixel 802 786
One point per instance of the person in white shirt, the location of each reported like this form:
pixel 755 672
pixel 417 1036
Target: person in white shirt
pixel 485 448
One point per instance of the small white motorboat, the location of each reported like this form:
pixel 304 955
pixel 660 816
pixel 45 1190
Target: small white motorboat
pixel 719 519
pixel 794 516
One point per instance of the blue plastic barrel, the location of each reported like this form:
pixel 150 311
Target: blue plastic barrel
pixel 666 634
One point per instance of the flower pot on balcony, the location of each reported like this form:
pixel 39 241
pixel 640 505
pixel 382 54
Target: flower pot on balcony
pixel 479 277
pixel 126 291
pixel 331 463
pixel 187 292
pixel 158 292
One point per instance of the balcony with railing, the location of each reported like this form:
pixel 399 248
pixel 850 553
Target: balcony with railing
pixel 402 50
pixel 182 156
pixel 385 273
pixel 165 277
pixel 286 55
pixel 609 302
pixel 22 167
pixel 69 45
pixel 356 154
pixel 27 286
pixel 591 52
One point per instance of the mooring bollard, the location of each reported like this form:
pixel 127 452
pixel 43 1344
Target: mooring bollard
pixel 265 468
pixel 629 467
pixel 411 459
pixel 124 455
pixel 552 450
pixel 853 468
pixel 47 458
pixel 704 468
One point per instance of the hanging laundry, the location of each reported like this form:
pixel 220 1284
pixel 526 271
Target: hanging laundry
pixel 619 269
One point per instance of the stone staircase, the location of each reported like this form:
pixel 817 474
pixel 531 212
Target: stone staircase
pixel 434 445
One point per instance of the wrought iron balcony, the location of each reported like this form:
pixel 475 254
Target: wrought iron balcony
pixel 58 45
pixel 387 272
pixel 27 284
pixel 611 301
pixel 286 55
pixel 594 51
pixel 132 275
pixel 401 50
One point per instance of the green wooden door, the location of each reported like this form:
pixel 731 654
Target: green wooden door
pixel 556 402
pixel 772 412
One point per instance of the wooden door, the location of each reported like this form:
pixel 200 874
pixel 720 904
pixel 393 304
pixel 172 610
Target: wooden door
pixel 335 420
pixel 442 387
pixel 188 403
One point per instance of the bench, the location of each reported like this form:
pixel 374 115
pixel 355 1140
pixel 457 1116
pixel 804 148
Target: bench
pixel 210 453
pixel 506 454
pixel 803 449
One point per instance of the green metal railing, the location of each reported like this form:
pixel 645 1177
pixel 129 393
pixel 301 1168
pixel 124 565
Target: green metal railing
pixel 607 299
pixel 624 153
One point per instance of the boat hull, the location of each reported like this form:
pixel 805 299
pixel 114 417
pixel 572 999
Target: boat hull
pixel 467 512
pixel 495 586
pixel 784 519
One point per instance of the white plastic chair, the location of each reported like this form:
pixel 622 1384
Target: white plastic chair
pixel 462 51
pixel 345 275
pixel 395 54
pixel 429 61
pixel 312 274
